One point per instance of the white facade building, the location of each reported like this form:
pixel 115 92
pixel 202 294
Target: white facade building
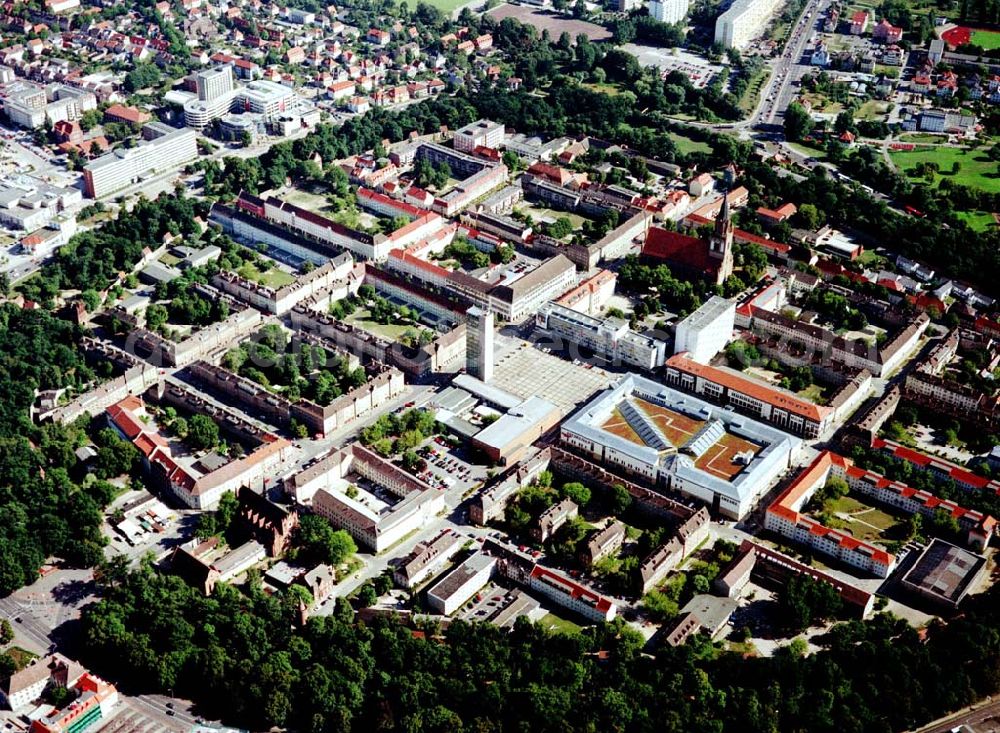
pixel 165 148
pixel 487 133
pixel 744 21
pixel 705 333
pixel 452 592
pixel 610 337
pixel 669 11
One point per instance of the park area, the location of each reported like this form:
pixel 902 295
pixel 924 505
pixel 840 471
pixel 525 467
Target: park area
pixel 974 167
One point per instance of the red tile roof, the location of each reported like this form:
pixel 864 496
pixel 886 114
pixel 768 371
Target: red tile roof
pixel 680 249
pixel 750 387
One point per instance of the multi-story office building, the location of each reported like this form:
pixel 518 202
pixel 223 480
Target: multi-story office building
pixel 31 106
pixel 461 584
pixel 609 337
pixel 164 148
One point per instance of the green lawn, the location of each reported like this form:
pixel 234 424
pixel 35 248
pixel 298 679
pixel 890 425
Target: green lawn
pixel 610 89
pixel 988 40
pixel 446 6
pixel 977 170
pixel 813 393
pixel 686 145
pixel 21 657
pixel 978 220
pixel 556 623
pixel 801 149
pixel 272 278
pixel 389 331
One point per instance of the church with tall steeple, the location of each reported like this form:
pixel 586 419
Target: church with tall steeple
pixel 710 258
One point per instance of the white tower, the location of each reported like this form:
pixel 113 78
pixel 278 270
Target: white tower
pixel 479 343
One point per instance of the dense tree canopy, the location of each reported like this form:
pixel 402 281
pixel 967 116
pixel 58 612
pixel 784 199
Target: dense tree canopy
pixel 242 657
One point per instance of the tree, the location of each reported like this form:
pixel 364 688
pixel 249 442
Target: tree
pixel 621 500
pixel 576 492
pixel 324 543
pixel 367 596
pixel 804 601
pixel 6 632
pixel 203 432
pixel 798 123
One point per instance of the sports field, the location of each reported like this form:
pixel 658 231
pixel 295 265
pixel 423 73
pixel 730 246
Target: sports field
pixel 960 35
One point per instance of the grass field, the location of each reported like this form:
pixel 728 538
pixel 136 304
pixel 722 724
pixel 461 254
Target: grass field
pixel 446 6
pixel 555 623
pixel 686 145
pixel 539 214
pixel 988 40
pixel 389 331
pixel 801 149
pixel 273 278
pixel 872 110
pixel 977 170
pixel 978 220
pixel 864 521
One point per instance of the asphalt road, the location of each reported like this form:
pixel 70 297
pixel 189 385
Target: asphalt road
pixel 790 67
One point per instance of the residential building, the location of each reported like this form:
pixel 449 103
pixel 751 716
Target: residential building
pixel 428 558
pixel 859 22
pixel 749 396
pixel 668 11
pixel 94 702
pixel 571 595
pixel 603 543
pixel 743 21
pixel 373 522
pixel 785 517
pixel 552 519
pixel 456 588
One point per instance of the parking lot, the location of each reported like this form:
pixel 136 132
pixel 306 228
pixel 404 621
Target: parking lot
pixel 698 69
pixel 447 467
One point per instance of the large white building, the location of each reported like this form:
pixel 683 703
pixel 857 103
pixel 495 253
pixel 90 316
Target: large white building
pixel 29 105
pixel 218 95
pixel 668 11
pixel 165 148
pixel 609 337
pixel 744 21
pixel 678 442
pixel 705 333
pixel 485 133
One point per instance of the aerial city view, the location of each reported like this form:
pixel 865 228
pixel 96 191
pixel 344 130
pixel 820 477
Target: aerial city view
pixel 504 366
